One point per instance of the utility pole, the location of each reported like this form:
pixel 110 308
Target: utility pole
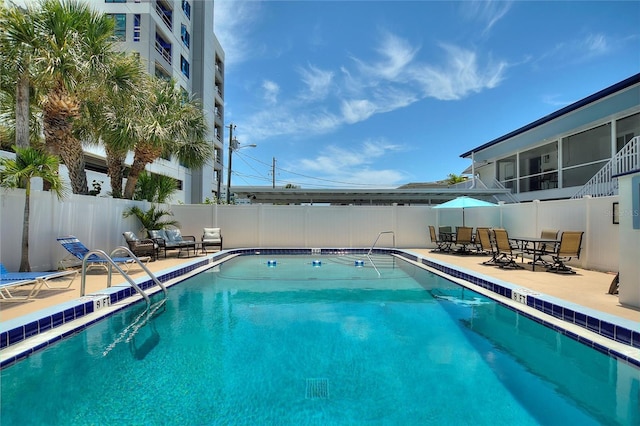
pixel 273 172
pixel 231 126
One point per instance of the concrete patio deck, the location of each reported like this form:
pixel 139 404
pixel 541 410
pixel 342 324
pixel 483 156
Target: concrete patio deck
pixel 586 288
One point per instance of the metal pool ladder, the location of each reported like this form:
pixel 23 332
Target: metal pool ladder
pixel 373 245
pixel 113 264
pixel 151 309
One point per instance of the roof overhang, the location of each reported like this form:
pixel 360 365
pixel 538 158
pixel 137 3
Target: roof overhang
pixel 268 195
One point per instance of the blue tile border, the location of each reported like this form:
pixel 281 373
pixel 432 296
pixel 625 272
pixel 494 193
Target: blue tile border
pixel 610 330
pixel 616 332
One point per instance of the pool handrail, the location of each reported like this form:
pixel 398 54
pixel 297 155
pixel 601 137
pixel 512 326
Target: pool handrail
pixel 373 245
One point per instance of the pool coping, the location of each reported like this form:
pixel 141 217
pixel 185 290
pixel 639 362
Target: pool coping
pixel 609 334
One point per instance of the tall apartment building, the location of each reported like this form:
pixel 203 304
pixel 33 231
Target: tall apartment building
pixel 175 39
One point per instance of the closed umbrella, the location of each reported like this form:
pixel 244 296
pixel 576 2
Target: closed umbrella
pixel 464 202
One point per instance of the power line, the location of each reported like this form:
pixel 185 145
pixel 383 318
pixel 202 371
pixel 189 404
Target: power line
pixel 314 178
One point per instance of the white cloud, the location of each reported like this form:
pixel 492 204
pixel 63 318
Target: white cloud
pixel 487 12
pixel 459 76
pixel 357 110
pixel 271 90
pixel 596 44
pixel 317 81
pixel 396 54
pixel 232 24
pixel 354 166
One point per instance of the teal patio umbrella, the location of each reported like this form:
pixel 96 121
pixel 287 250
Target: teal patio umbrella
pixel 464 202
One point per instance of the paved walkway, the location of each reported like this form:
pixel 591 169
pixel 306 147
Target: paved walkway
pixel 586 288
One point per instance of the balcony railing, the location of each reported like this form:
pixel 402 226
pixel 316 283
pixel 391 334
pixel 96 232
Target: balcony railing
pixel 164 52
pixel 165 15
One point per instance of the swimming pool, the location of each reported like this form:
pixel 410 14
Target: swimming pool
pixel 293 342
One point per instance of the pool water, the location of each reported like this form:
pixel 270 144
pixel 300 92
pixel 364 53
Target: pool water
pixel 293 343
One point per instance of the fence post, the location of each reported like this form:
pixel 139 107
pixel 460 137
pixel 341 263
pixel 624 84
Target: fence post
pixel 587 231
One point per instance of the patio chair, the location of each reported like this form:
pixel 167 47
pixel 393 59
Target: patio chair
pixel 441 245
pixel 10 281
pixel 507 254
pixel 78 250
pixel 211 237
pixel 568 248
pixel 545 248
pixel 485 245
pixel 172 239
pixel 464 238
pixel 141 247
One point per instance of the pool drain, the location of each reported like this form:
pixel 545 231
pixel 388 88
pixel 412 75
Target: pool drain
pixel 317 389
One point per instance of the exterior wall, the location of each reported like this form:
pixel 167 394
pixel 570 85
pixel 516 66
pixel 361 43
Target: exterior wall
pixel 629 243
pixel 621 104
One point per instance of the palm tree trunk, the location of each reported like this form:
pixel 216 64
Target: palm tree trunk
pixel 136 168
pixel 144 154
pixel 24 260
pixel 22 110
pixel 115 169
pixel 60 110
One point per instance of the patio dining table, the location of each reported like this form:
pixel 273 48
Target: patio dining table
pixel 451 238
pixel 536 247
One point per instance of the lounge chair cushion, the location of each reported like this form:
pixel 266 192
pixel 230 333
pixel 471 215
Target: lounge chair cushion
pixel 158 233
pixel 212 235
pixel 130 236
pixel 173 235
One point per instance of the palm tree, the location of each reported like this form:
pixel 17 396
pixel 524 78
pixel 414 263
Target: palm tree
pixel 152 218
pixel 18 48
pixel 168 124
pixel 155 188
pixel 109 114
pixel 29 163
pixel 453 178
pixel 76 43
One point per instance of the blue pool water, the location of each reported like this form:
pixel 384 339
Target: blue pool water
pixel 290 342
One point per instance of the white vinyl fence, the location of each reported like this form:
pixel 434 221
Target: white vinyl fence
pixel 99 224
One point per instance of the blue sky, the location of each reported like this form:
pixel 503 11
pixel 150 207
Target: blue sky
pixel 376 94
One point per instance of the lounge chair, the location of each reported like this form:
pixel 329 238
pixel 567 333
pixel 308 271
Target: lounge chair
pixel 10 281
pixel 172 239
pixel 507 254
pixel 141 247
pixel 568 248
pixel 78 250
pixel 211 237
pixel 441 245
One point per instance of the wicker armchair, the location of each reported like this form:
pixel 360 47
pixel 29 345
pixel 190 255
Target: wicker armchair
pixel 144 247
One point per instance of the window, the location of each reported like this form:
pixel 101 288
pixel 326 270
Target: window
pixel 184 66
pixel 539 168
pixel 587 147
pixel 626 129
pixel 184 34
pixel 120 30
pixel 186 7
pixel 585 153
pixel 136 27
pixel 506 168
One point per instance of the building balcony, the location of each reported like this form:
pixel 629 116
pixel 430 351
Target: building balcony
pixel 165 13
